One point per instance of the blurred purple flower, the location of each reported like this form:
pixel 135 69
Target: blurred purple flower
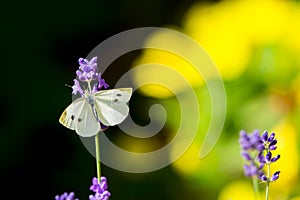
pixel 246 155
pixel 250 170
pixel 249 141
pixel 250 145
pixel 66 196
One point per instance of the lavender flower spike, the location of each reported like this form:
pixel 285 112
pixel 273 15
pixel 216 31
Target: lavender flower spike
pixel 100 189
pixel 87 69
pixel 256 151
pixel 66 196
pixel 88 77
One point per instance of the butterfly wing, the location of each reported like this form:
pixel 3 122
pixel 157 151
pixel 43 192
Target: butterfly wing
pixel 87 124
pixel 67 118
pixel 79 117
pixel 111 105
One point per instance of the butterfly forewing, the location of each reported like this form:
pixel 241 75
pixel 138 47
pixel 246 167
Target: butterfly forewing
pixel 68 116
pixel 78 116
pixel 121 95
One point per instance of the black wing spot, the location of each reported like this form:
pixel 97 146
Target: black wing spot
pixel 72 117
pixel 119 95
pixel 79 119
pixel 115 100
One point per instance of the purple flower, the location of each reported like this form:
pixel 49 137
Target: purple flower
pixel 87 66
pixel 100 189
pixel 263 178
pixel 275 176
pixel 66 196
pixel 272 144
pixel 87 69
pixel 100 196
pixel 250 170
pixel 268 142
pixel 246 155
pixel 88 78
pixel 271 137
pixel 268 157
pixel 261 158
pixel 249 141
pixel 102 83
pixel 250 146
pixel 77 88
pixel 274 159
pixel 256 151
pixel 265 136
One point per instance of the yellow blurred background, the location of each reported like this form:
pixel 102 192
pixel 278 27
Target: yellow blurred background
pixel 256 48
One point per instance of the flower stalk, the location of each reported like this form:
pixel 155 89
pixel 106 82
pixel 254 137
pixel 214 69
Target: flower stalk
pixel 97 145
pixel 255 187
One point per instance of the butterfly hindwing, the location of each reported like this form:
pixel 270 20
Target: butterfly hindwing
pixel 87 124
pixel 111 105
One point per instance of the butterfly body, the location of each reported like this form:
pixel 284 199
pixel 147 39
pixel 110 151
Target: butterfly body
pixel 106 106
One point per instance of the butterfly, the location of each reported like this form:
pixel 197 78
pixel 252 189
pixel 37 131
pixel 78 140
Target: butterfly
pixel 106 106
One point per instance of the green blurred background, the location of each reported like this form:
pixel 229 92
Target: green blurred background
pixel 255 44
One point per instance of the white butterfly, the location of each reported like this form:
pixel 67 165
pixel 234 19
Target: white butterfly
pixel 106 106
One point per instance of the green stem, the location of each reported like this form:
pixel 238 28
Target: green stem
pixel 267 192
pixel 89 85
pixel 97 144
pixel 267 188
pixel 255 187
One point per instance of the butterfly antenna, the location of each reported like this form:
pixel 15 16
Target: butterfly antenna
pixel 68 85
